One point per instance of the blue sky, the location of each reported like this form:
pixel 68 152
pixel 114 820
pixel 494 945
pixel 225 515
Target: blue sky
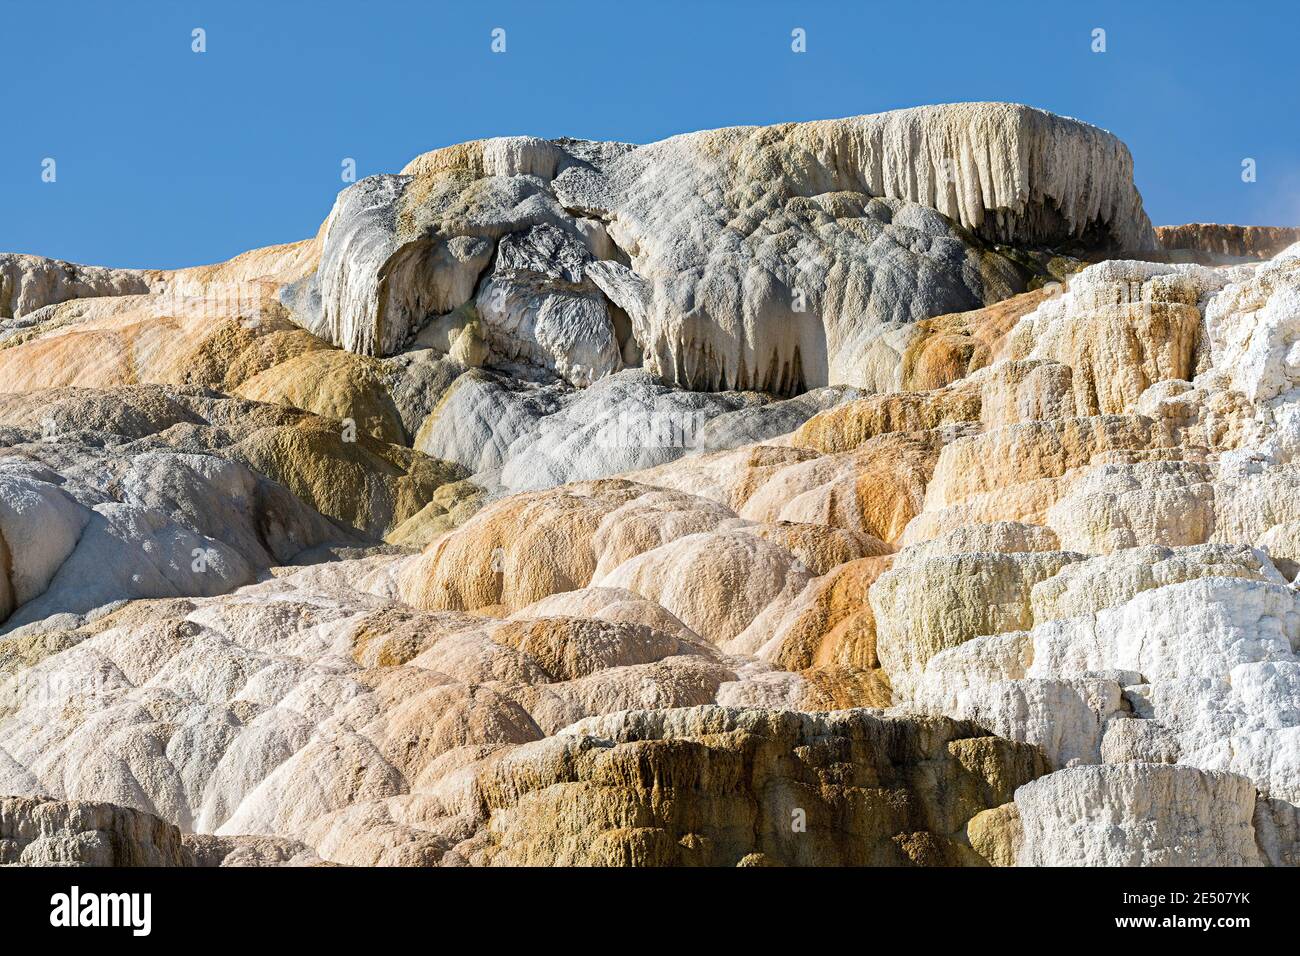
pixel 168 158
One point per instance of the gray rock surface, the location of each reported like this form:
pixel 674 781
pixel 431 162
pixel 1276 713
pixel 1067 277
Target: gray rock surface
pixel 139 493
pixel 521 436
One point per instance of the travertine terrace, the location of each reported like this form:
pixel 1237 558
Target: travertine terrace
pixel 881 491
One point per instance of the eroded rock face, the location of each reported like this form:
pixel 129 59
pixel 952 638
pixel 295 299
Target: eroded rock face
pixel 715 787
pixel 29 282
pixel 1243 242
pixel 37 832
pixel 780 259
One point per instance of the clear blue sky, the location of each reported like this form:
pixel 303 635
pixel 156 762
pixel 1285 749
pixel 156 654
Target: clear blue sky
pixel 167 158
